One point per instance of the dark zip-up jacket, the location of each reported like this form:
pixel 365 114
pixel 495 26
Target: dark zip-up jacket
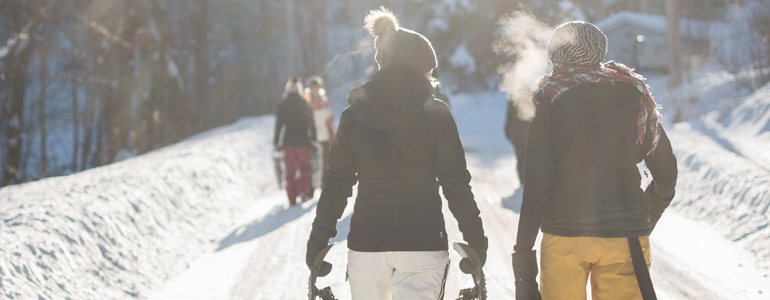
pixel 581 175
pixel 297 116
pixel 400 145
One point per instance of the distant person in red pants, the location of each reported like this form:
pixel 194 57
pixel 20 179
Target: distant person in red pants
pixel 296 115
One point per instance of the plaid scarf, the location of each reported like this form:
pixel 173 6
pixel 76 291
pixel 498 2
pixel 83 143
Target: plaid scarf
pixel 564 77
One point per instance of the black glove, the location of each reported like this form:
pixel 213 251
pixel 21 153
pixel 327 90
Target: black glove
pixel 525 272
pixel 480 247
pixel 313 248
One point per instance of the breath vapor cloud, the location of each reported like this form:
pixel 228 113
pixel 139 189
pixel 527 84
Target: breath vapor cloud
pixel 524 40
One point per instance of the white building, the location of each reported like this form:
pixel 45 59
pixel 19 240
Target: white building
pixel 639 40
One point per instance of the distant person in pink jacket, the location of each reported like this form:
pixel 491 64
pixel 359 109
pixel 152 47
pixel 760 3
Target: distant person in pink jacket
pixel 322 113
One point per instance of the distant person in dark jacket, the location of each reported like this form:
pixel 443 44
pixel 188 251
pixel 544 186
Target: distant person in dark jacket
pixel 296 115
pixel 593 124
pixel 400 145
pixel 516 128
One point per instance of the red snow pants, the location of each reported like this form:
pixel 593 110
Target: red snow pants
pixel 297 159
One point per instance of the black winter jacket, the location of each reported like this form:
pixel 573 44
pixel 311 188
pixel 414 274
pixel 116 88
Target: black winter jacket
pixel 296 114
pixel 400 145
pixel 581 177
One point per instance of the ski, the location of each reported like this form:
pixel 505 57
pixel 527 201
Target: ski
pixel 315 293
pixel 479 290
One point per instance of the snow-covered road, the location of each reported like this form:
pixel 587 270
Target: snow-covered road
pixel 204 219
pixel 263 256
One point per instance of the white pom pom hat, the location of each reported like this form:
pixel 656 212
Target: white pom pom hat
pixel 397 45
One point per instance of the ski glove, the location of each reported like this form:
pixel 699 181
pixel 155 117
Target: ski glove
pixel 525 272
pixel 480 247
pixel 313 248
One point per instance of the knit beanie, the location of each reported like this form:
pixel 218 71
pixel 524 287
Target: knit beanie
pixel 314 80
pixel 577 43
pixel 294 85
pixel 396 45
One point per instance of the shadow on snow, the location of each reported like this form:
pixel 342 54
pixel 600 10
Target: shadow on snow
pixel 513 202
pixel 275 219
pixel 343 228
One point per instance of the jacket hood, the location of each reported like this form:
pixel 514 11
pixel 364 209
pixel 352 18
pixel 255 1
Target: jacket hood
pixel 296 105
pixel 394 96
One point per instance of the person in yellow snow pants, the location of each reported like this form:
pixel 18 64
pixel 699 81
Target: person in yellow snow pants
pixel 569 262
pixel 595 121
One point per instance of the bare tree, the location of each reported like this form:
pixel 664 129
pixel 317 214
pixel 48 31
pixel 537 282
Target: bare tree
pixel 120 108
pixel 74 65
pixel 673 33
pixel 87 124
pixel 201 22
pixel 17 62
pixel 43 53
pixel 291 20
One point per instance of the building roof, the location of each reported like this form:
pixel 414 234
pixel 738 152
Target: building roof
pixel 689 28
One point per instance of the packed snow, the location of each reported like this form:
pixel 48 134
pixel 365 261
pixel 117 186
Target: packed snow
pixel 205 219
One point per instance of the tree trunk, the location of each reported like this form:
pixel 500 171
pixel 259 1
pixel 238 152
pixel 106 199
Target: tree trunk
pixel 673 12
pixel 202 118
pixel 25 18
pixel 120 108
pixel 106 92
pixel 313 43
pixel 74 94
pixel 13 112
pixel 101 124
pixel 88 123
pixel 292 59
pixel 41 113
pixel 165 89
pixel 91 68
pixel 673 34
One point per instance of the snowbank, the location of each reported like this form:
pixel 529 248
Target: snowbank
pixel 752 117
pixel 729 191
pixel 117 231
pixel 740 172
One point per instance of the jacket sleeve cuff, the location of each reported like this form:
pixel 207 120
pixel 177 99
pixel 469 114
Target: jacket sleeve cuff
pixel 663 191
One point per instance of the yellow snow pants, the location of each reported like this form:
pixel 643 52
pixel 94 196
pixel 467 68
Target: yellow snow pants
pixel 567 262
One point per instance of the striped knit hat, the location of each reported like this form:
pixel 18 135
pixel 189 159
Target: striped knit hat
pixel 397 45
pixel 577 43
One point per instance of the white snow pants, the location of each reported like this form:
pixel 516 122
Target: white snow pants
pixel 400 275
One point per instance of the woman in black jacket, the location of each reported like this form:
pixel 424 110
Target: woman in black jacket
pixel 593 124
pixel 400 144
